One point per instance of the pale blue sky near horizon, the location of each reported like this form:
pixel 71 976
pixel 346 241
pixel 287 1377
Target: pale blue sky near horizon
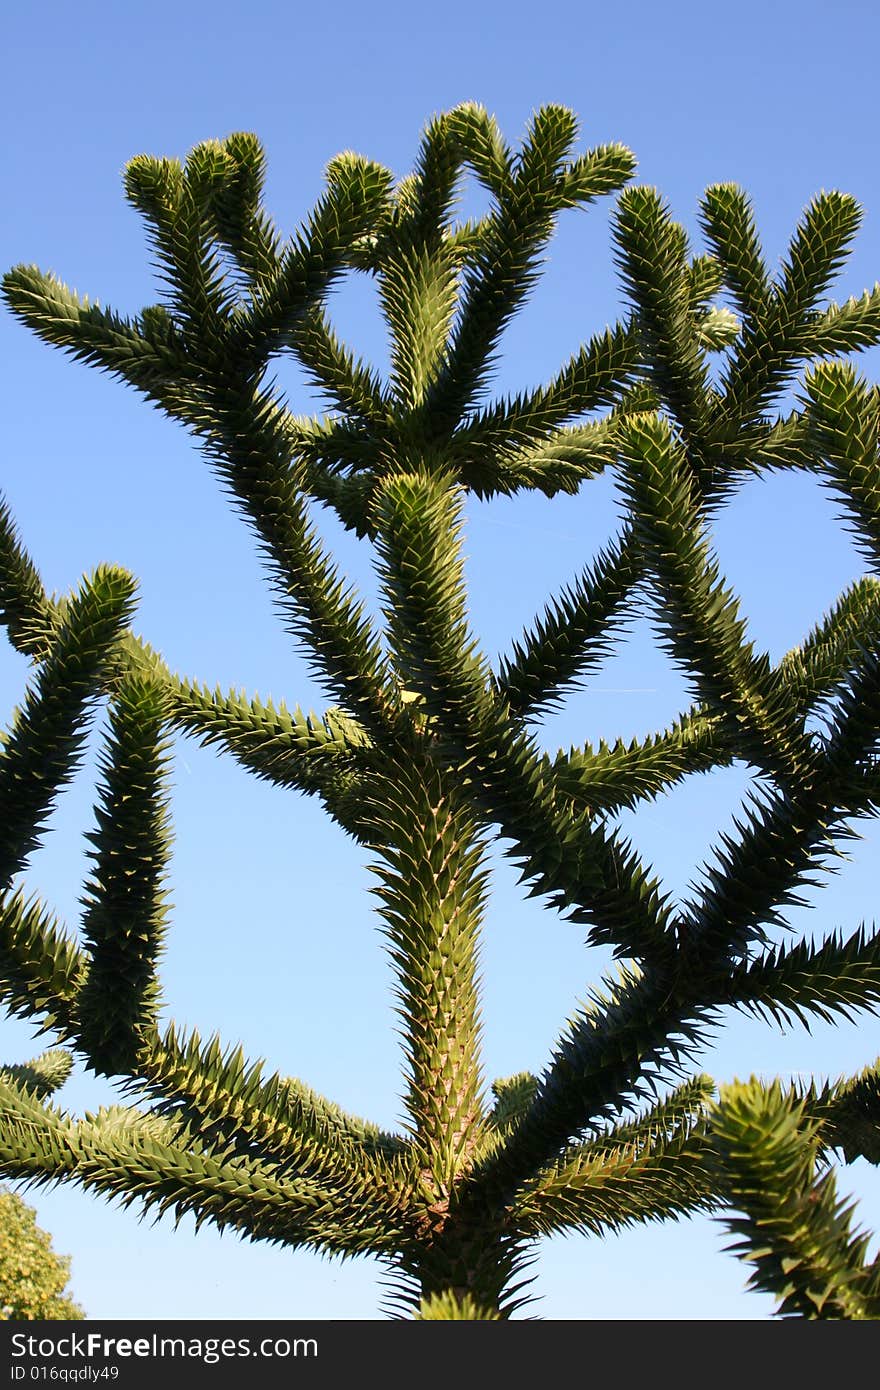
pixel 272 939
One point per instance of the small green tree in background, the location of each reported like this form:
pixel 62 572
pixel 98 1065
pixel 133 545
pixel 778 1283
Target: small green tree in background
pixel 33 1279
pixel 427 750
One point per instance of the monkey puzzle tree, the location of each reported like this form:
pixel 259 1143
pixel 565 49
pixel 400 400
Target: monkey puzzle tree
pixel 426 751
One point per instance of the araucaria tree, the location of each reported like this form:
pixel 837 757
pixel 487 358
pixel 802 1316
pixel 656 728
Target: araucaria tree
pixel 426 751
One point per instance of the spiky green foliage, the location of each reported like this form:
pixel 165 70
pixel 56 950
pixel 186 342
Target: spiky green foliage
pixel 41 749
pixel 44 1074
pixel 794 1229
pixel 124 911
pixel 426 750
pixel 446 1307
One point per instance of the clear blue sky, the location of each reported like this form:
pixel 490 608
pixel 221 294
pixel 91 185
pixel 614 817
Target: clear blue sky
pixel 273 942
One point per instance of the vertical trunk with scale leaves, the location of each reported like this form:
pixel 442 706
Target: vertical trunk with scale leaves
pixel 426 750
